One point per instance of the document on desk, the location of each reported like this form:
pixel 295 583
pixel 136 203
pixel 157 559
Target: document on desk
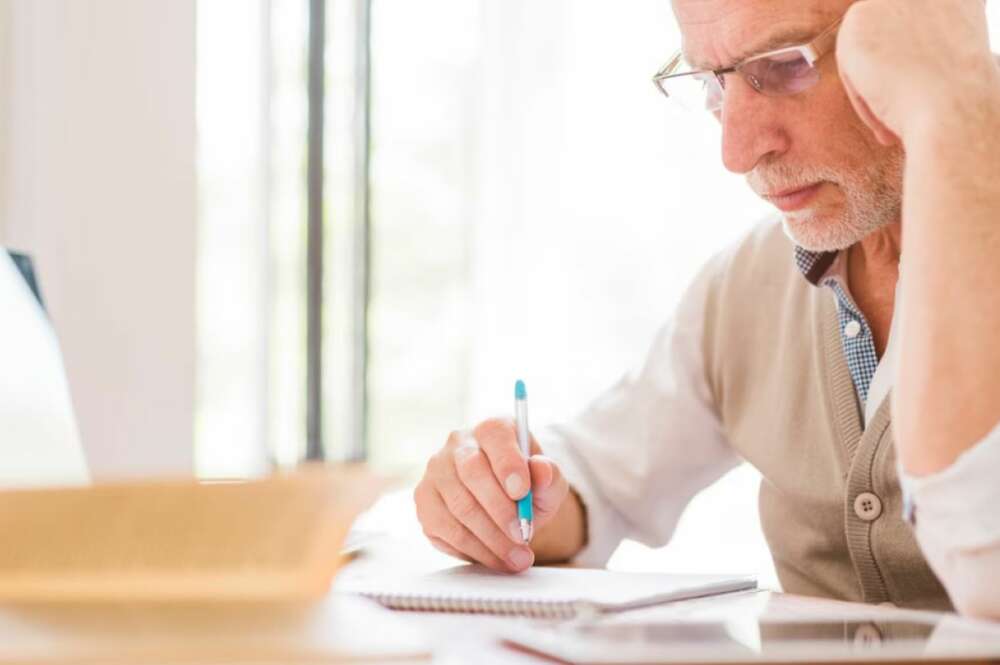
pixel 539 591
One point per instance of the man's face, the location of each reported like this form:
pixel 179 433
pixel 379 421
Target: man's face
pixel 843 183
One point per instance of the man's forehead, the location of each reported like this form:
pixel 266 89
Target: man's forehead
pixel 720 33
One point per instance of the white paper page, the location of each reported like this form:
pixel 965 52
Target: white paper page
pixel 39 443
pixel 602 587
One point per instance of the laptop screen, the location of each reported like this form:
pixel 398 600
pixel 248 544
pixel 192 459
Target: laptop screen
pixel 40 445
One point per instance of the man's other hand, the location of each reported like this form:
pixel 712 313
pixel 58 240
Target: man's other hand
pixel 910 65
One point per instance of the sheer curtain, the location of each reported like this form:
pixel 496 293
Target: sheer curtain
pixel 566 206
pixel 597 204
pixel 537 210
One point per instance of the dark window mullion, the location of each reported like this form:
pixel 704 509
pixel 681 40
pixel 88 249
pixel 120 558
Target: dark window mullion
pixel 314 233
pixel 357 446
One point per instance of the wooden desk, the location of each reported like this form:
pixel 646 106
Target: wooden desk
pixel 341 628
pixel 465 638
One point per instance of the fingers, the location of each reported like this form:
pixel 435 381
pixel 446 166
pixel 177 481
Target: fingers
pixel 440 525
pixel 464 507
pixel 448 549
pixel 498 439
pixel 476 475
pixel 450 512
pixel 549 487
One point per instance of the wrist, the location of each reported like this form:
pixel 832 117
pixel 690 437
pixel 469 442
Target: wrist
pixel 961 114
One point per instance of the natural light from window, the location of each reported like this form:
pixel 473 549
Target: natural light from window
pixel 537 210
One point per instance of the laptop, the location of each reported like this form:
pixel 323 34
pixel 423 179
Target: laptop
pixel 39 440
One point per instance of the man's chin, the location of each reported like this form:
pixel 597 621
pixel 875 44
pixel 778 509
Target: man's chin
pixel 816 232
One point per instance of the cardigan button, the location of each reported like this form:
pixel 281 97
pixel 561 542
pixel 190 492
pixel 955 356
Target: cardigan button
pixel 867 507
pixel 867 636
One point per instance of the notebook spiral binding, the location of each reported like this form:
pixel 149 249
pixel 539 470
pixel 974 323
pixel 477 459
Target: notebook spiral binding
pixel 527 608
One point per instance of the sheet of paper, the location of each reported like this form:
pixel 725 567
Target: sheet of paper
pixel 603 587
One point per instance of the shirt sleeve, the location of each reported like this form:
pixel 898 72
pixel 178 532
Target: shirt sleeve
pixel 639 452
pixel 956 515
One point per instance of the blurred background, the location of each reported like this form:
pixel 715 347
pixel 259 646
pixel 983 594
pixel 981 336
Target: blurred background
pixel 272 230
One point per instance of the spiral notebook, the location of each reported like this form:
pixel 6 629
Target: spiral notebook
pixel 539 592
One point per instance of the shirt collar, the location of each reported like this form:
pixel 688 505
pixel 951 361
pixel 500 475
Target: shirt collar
pixel 813 265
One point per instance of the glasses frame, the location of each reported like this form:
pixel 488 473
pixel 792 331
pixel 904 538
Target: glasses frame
pixel 811 51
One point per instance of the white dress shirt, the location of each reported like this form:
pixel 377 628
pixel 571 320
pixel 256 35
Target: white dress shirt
pixel 639 453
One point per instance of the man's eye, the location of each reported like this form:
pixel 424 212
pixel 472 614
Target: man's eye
pixel 791 68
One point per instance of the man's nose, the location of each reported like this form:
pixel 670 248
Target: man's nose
pixel 752 126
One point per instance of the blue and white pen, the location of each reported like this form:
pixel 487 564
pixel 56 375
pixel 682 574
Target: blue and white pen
pixel 525 512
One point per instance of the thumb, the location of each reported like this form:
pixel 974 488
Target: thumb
pixel 549 487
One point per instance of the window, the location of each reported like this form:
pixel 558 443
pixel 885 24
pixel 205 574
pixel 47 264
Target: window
pixel 251 109
pixel 533 209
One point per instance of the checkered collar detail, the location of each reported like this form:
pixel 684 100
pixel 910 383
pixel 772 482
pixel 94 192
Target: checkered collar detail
pixel 855 335
pixel 813 265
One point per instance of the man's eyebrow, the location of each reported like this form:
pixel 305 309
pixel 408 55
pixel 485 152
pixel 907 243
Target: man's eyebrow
pixel 790 37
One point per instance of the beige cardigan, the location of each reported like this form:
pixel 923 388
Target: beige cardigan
pixel 830 500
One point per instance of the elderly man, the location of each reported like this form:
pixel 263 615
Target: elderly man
pixel 865 388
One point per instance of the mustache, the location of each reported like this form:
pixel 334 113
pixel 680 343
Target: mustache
pixel 771 178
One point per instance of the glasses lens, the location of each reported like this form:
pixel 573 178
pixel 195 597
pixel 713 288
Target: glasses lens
pixel 780 74
pixel 694 92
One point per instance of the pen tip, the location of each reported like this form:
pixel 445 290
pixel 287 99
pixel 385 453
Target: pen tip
pixel 519 390
pixel 527 530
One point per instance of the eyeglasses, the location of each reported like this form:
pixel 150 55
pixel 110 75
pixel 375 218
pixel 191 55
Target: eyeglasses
pixel 785 71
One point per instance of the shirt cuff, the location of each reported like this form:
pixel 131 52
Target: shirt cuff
pixel 605 528
pixel 957 506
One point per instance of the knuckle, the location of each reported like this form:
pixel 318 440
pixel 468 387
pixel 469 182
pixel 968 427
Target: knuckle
pixel 557 474
pixel 494 430
pixel 433 462
pixel 421 504
pixel 422 495
pixel 471 464
pixel 440 466
pixel 428 532
pixel 466 510
pixel 456 536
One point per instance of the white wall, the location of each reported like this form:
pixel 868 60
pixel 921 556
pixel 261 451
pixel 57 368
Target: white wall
pixel 5 68
pixel 97 179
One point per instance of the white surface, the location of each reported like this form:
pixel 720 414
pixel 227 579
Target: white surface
pixel 466 638
pixel 39 444
pixel 950 638
pixel 99 164
pixel 602 590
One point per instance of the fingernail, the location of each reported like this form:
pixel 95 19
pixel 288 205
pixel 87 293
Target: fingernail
pixel 514 485
pixel 515 531
pixel 519 558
